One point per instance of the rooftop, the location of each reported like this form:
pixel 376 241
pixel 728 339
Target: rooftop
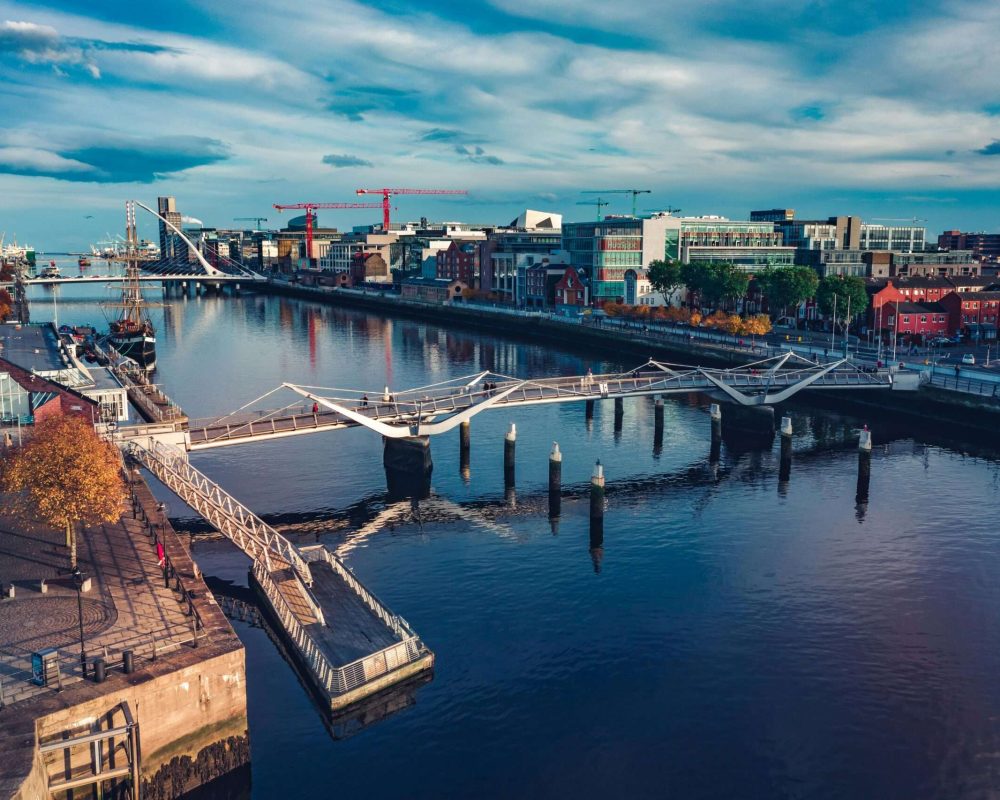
pixel 31 347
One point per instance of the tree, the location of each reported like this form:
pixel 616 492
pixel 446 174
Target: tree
pixel 849 292
pixel 787 286
pixel 67 475
pixel 6 304
pixel 666 277
pixel 716 281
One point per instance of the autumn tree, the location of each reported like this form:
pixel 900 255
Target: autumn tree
pixel 6 304
pixel 67 476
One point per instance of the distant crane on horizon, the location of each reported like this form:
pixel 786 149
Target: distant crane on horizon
pixel 634 192
pixel 667 210
pixel 255 220
pixel 598 202
pixel 388 193
pixel 913 220
pixel 310 216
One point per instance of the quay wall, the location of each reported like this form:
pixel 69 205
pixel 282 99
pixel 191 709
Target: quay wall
pixel 190 704
pixel 927 404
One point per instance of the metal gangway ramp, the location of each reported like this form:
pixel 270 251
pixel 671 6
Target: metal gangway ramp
pixel 348 644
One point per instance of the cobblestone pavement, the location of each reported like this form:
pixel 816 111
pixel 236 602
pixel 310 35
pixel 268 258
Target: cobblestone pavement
pixel 127 607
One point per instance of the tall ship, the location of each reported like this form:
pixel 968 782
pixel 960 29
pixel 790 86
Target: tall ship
pixel 131 331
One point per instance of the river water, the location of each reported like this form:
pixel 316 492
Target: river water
pixel 733 637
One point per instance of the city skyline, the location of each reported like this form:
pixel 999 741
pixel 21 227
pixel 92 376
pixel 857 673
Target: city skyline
pixel 884 110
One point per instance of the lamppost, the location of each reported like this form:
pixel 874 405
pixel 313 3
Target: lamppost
pixel 78 582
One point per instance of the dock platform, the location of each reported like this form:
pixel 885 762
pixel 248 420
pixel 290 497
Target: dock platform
pixel 349 644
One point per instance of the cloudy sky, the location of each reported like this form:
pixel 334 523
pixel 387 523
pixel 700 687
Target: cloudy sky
pixel 884 108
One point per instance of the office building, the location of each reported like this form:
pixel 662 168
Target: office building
pixel 985 247
pixel 172 246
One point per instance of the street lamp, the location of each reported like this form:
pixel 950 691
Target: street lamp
pixel 78 582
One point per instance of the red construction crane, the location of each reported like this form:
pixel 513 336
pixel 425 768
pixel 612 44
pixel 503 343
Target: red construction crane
pixel 309 208
pixel 388 193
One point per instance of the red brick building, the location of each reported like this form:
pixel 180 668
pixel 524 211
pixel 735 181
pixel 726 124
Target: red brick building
pixel 973 314
pixel 42 399
pixel 571 290
pixel 460 262
pixel 917 322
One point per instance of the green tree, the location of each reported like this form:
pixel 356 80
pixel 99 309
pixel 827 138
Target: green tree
pixel 695 277
pixel 722 283
pixel 66 475
pixel 787 286
pixel 666 277
pixel 847 292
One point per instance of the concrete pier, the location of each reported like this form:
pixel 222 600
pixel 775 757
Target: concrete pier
pixel 408 466
pixel 464 448
pixel 657 426
pixel 555 481
pixel 509 444
pixel 715 414
pixel 597 516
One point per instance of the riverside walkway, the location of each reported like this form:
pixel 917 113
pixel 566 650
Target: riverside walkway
pixel 348 644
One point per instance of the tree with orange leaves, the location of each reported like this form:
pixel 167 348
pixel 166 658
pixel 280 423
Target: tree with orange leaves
pixel 6 304
pixel 66 475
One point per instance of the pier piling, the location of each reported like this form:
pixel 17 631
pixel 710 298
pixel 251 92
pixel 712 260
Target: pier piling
pixel 555 481
pixel 464 445
pixel 509 443
pixel 657 426
pixel 597 516
pixel 715 412
pixel 589 413
pixel 864 466
pixel 785 464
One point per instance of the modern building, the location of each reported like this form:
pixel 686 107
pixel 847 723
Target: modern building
pixel 773 215
pixel 985 247
pixel 954 263
pixel 172 246
pixel 749 245
pixel 605 250
pixel 901 238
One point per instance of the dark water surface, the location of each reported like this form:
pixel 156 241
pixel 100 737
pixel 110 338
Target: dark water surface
pixel 733 638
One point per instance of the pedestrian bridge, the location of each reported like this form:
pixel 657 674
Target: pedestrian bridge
pixel 438 408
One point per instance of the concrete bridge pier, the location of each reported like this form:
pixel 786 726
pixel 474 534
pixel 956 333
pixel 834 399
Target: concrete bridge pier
pixel 589 412
pixel 408 466
pixel 597 516
pixel 464 445
pixel 748 426
pixel 715 414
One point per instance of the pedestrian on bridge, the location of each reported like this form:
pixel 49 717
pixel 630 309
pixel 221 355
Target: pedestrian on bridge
pixel 315 407
pixel 364 401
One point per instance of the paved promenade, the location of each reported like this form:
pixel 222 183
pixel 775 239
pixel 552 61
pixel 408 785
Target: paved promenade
pixel 127 607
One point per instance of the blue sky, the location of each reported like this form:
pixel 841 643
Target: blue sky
pixel 884 109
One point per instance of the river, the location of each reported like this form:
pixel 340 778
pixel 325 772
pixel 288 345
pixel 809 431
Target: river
pixel 733 637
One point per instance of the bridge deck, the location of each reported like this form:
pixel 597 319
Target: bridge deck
pixel 407 406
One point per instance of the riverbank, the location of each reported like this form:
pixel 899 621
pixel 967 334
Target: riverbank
pixel 929 404
pixel 173 668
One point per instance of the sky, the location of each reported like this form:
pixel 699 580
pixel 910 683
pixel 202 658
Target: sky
pixel 889 109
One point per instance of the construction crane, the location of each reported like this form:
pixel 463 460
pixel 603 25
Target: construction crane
pixel 255 220
pixel 388 193
pixel 912 220
pixel 310 208
pixel 634 192
pixel 667 210
pixel 598 202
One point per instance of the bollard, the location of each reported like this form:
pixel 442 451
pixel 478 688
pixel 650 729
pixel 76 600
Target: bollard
pixel 100 670
pixel 597 497
pixel 509 442
pixel 464 438
pixel 864 466
pixel 715 412
pixel 128 662
pixel 619 406
pixel 555 481
pixel 589 409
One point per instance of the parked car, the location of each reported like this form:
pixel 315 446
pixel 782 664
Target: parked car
pixel 968 358
pixel 941 341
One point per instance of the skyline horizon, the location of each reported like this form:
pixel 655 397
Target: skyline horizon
pixel 879 110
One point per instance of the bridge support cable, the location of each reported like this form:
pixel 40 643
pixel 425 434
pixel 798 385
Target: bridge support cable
pixel 230 517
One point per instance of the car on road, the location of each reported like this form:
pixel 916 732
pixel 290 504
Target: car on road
pixel 968 358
